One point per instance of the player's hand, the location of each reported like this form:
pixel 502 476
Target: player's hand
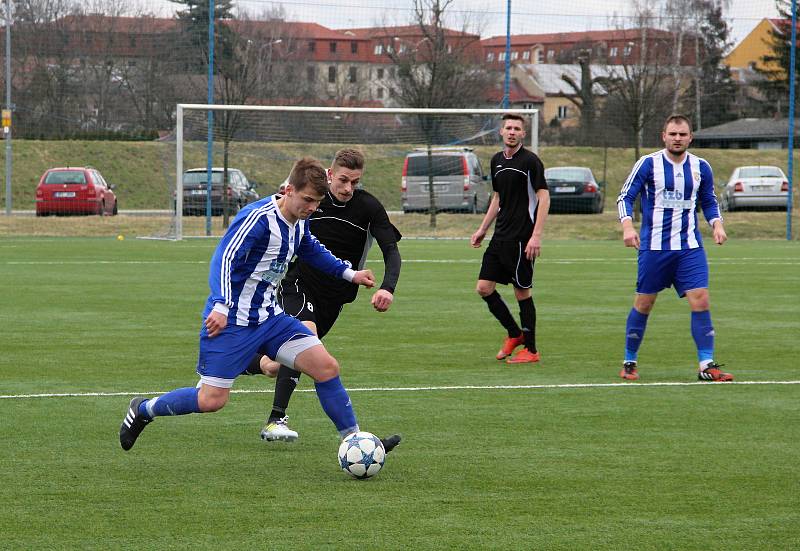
pixel 477 238
pixel 631 238
pixel 382 299
pixel 720 236
pixel 533 248
pixel 365 278
pixel 215 323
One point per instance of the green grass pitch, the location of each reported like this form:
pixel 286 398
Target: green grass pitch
pixel 493 456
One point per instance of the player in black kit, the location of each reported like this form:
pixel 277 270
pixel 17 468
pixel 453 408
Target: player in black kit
pixel 520 203
pixel 346 222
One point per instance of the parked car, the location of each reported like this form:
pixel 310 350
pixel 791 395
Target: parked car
pixel 459 183
pixel 755 186
pixel 75 190
pixel 195 190
pixel 573 189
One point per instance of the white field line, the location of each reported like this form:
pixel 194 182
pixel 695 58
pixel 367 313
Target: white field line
pixel 422 388
pixel 727 261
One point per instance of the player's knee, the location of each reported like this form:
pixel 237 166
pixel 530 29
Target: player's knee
pixel 328 369
pixel 644 304
pixel 211 401
pixel 484 290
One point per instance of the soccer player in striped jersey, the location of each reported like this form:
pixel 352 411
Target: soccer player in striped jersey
pixel 346 222
pixel 242 316
pixel 671 182
pixel 520 204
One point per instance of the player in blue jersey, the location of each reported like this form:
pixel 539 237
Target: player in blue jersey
pixel 520 205
pixel 242 316
pixel 671 182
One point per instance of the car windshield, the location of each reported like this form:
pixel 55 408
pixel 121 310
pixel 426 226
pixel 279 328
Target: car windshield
pixel 441 165
pixel 760 172
pixel 200 177
pixel 566 174
pixel 65 177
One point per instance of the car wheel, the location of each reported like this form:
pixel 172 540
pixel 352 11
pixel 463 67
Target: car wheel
pixel 474 208
pixel 116 209
pixel 102 210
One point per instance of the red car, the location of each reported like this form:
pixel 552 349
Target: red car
pixel 74 190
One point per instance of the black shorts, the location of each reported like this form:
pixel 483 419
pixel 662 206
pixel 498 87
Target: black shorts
pixel 302 303
pixel 504 262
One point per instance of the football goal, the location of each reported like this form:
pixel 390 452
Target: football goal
pixel 419 162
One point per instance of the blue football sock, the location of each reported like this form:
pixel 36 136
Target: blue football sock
pixel 703 334
pixel 634 334
pixel 336 403
pixel 177 402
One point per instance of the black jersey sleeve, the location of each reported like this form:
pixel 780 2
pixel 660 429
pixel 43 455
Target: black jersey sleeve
pixel 536 173
pixel 387 236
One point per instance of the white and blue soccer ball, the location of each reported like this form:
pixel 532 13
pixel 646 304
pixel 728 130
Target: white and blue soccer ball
pixel 361 455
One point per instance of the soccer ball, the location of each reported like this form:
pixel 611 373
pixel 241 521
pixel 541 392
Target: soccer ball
pixel 361 455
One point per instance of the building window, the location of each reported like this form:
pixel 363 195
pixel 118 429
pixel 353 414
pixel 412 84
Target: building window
pixel 526 55
pixel 540 56
pixel 562 111
pixel 551 55
pixel 312 46
pixel 626 51
pixel 332 73
pixel 380 73
pixel 612 52
pixel 392 72
pixel 353 74
pixel 332 47
pixel 514 55
pixel 354 47
pixel 311 74
pixel 501 56
pixel 490 57
pixel 378 49
pixel 132 41
pixel 403 48
pixel 380 93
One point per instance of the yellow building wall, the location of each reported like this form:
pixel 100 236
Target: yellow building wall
pixel 752 47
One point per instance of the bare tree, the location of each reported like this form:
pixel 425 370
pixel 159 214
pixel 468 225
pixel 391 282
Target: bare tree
pixel 584 94
pixel 436 67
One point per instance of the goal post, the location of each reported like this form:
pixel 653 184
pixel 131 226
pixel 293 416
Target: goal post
pixel 404 148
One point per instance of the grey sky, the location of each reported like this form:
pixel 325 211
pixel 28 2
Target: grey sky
pixel 528 16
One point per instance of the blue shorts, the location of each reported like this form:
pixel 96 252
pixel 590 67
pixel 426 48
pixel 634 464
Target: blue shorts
pixel 224 357
pixel 685 270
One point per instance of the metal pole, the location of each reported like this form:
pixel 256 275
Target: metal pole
pixel 792 78
pixel 7 129
pixel 179 173
pixel 507 85
pixel 210 138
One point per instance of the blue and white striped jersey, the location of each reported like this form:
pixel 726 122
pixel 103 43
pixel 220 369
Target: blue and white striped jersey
pixel 670 193
pixel 251 260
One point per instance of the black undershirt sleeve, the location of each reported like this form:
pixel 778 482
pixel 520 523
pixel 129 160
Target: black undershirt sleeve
pixel 387 237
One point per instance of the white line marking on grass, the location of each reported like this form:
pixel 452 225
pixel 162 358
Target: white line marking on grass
pixel 416 388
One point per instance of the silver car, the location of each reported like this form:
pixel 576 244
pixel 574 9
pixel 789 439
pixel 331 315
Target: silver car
pixel 459 183
pixel 755 186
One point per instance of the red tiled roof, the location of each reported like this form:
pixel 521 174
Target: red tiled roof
pixel 400 31
pixel 571 37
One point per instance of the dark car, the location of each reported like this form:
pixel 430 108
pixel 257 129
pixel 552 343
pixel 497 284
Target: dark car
pixel 573 189
pixel 75 190
pixel 195 189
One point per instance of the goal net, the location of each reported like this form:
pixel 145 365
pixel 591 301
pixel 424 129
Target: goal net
pixel 429 167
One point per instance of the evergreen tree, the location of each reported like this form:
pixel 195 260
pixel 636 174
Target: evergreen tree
pixel 192 40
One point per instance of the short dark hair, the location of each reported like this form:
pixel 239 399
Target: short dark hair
pixel 677 117
pixel 513 116
pixel 309 172
pixel 349 158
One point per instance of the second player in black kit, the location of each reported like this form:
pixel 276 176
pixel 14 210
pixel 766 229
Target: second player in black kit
pixel 520 205
pixel 347 222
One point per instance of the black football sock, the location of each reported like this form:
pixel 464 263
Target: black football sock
pixel 527 315
pixel 284 387
pixel 499 310
pixel 254 368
